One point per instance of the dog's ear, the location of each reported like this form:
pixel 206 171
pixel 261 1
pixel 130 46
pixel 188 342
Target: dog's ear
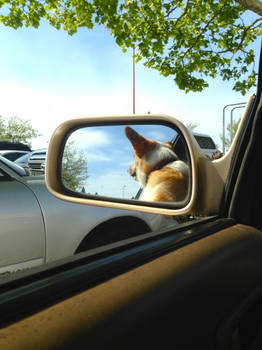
pixel 139 143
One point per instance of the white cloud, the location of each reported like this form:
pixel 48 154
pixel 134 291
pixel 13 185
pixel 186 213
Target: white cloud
pixel 89 139
pixel 97 157
pixel 154 135
pixel 46 109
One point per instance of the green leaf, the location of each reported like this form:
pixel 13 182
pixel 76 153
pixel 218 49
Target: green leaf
pixel 189 40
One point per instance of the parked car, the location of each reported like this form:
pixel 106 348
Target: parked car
pixel 207 145
pixel 13 154
pixel 23 161
pixel 43 228
pixel 37 158
pixel 43 167
pixel 36 165
pixel 204 141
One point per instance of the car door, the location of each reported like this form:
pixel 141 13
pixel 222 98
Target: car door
pixel 22 232
pixel 201 291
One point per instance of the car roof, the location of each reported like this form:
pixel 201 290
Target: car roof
pixel 200 134
pixel 13 151
pixel 39 150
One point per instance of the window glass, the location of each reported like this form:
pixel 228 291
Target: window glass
pixel 24 158
pixel 86 74
pixel 12 156
pixel 205 142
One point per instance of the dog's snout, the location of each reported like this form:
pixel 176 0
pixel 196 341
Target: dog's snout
pixel 132 172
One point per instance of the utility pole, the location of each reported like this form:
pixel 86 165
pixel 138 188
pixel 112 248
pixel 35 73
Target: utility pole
pixel 134 83
pixel 240 104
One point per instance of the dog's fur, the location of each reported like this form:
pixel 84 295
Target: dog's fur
pixel 156 167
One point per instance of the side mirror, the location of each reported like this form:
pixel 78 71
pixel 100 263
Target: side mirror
pixel 146 163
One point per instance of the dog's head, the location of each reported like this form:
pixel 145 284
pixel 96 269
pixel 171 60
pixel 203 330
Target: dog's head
pixel 148 155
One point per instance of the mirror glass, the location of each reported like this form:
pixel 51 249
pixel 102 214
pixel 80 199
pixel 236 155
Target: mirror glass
pixel 139 162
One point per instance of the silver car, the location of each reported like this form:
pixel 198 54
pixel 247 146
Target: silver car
pixel 36 227
pixel 37 158
pixel 23 161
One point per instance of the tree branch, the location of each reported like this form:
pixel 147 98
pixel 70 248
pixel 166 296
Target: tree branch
pixel 252 5
pixel 246 29
pixel 203 31
pixel 170 11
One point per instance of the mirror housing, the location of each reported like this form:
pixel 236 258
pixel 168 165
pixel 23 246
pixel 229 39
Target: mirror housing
pixel 206 178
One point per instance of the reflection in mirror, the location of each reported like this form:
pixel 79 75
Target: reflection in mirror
pixel 143 162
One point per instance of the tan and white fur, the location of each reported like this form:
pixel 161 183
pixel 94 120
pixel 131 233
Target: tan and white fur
pixel 156 167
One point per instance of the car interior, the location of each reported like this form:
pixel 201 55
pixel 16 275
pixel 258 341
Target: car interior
pixel 197 286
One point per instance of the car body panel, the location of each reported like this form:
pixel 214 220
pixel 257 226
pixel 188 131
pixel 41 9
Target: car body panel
pixel 62 218
pixel 37 225
pixel 182 298
pixel 21 223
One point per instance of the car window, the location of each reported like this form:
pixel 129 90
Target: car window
pixel 12 155
pixel 205 142
pixel 71 79
pixel 23 158
pixel 72 229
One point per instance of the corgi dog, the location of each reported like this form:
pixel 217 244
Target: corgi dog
pixel 163 177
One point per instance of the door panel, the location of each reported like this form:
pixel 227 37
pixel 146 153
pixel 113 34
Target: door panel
pixel 178 301
pixel 22 232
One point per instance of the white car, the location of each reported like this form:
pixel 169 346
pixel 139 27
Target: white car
pixel 37 227
pixel 37 158
pixel 205 142
pixel 207 146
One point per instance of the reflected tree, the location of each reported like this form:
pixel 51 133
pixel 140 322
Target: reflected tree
pixel 74 168
pixel 192 125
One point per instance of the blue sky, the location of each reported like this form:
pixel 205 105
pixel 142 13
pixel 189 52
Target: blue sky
pixel 47 76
